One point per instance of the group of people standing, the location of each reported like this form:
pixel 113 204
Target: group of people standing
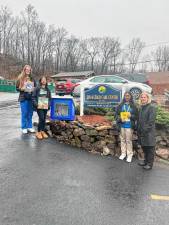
pixel 33 97
pixel 142 120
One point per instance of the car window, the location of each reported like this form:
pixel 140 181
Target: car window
pixel 128 77
pixel 114 80
pixel 98 79
pixel 135 77
pixel 60 81
pixel 74 81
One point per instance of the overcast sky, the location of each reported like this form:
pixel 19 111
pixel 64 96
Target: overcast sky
pixel 147 19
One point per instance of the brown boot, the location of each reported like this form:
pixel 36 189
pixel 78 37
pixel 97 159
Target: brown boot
pixel 44 135
pixel 39 135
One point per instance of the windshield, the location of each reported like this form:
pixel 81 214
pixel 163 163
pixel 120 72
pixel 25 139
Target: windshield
pixel 60 81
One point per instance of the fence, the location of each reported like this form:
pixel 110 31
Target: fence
pixel 8 86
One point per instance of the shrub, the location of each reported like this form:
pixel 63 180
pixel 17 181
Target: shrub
pixel 95 111
pixel 162 117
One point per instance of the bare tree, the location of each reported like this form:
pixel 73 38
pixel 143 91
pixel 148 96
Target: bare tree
pixel 6 25
pixel 120 65
pixel 29 17
pixel 91 47
pixel 145 64
pixel 161 58
pixel 60 37
pixel 39 41
pixel 107 52
pixel 49 49
pixel 134 50
pixel 73 53
pixel 115 55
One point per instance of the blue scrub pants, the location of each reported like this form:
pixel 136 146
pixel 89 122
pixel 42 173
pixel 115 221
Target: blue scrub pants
pixel 26 114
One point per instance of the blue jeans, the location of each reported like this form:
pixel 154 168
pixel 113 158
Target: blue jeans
pixel 26 114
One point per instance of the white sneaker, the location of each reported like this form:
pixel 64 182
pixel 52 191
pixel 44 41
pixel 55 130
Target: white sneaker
pixel 24 131
pixel 31 130
pixel 122 156
pixel 129 159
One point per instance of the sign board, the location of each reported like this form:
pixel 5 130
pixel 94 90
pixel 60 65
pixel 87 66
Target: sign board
pixel 62 109
pixel 102 96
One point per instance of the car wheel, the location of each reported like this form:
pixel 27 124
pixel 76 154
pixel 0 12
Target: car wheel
pixel 135 92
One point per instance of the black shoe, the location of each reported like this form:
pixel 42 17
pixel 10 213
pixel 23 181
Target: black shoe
pixel 142 163
pixel 147 167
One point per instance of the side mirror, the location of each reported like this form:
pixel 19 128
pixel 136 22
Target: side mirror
pixel 124 82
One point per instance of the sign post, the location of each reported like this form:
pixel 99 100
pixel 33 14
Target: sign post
pixel 82 100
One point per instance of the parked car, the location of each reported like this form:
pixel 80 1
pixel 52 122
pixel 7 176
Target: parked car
pixel 136 77
pixel 135 88
pixel 65 86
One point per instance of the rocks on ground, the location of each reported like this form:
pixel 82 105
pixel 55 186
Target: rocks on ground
pixel 97 134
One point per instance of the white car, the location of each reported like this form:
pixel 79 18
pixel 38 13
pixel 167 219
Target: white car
pixel 117 82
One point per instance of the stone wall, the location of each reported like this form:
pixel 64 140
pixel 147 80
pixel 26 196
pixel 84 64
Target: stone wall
pixel 162 140
pixel 103 139
pixel 99 138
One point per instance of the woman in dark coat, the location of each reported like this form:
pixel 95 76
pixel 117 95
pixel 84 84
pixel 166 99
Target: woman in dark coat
pixel 41 101
pixel 146 130
pixel 25 86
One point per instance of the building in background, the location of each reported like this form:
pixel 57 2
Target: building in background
pixel 77 75
pixel 159 81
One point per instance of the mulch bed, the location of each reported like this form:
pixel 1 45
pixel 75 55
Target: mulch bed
pixel 93 120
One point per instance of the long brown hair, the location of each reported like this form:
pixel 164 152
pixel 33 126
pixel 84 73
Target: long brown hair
pixel 41 80
pixel 22 75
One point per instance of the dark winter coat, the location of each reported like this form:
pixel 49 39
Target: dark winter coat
pixel 36 94
pixel 146 125
pixel 23 95
pixel 133 117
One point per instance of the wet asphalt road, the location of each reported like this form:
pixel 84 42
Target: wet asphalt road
pixel 47 183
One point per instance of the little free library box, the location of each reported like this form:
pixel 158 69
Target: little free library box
pixel 62 108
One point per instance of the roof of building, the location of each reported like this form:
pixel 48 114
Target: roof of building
pixel 74 74
pixel 159 77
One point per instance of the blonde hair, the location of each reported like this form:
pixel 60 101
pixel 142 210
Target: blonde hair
pixel 148 97
pixel 22 76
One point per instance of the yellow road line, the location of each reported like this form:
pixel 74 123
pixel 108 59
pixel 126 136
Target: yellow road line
pixel 160 197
